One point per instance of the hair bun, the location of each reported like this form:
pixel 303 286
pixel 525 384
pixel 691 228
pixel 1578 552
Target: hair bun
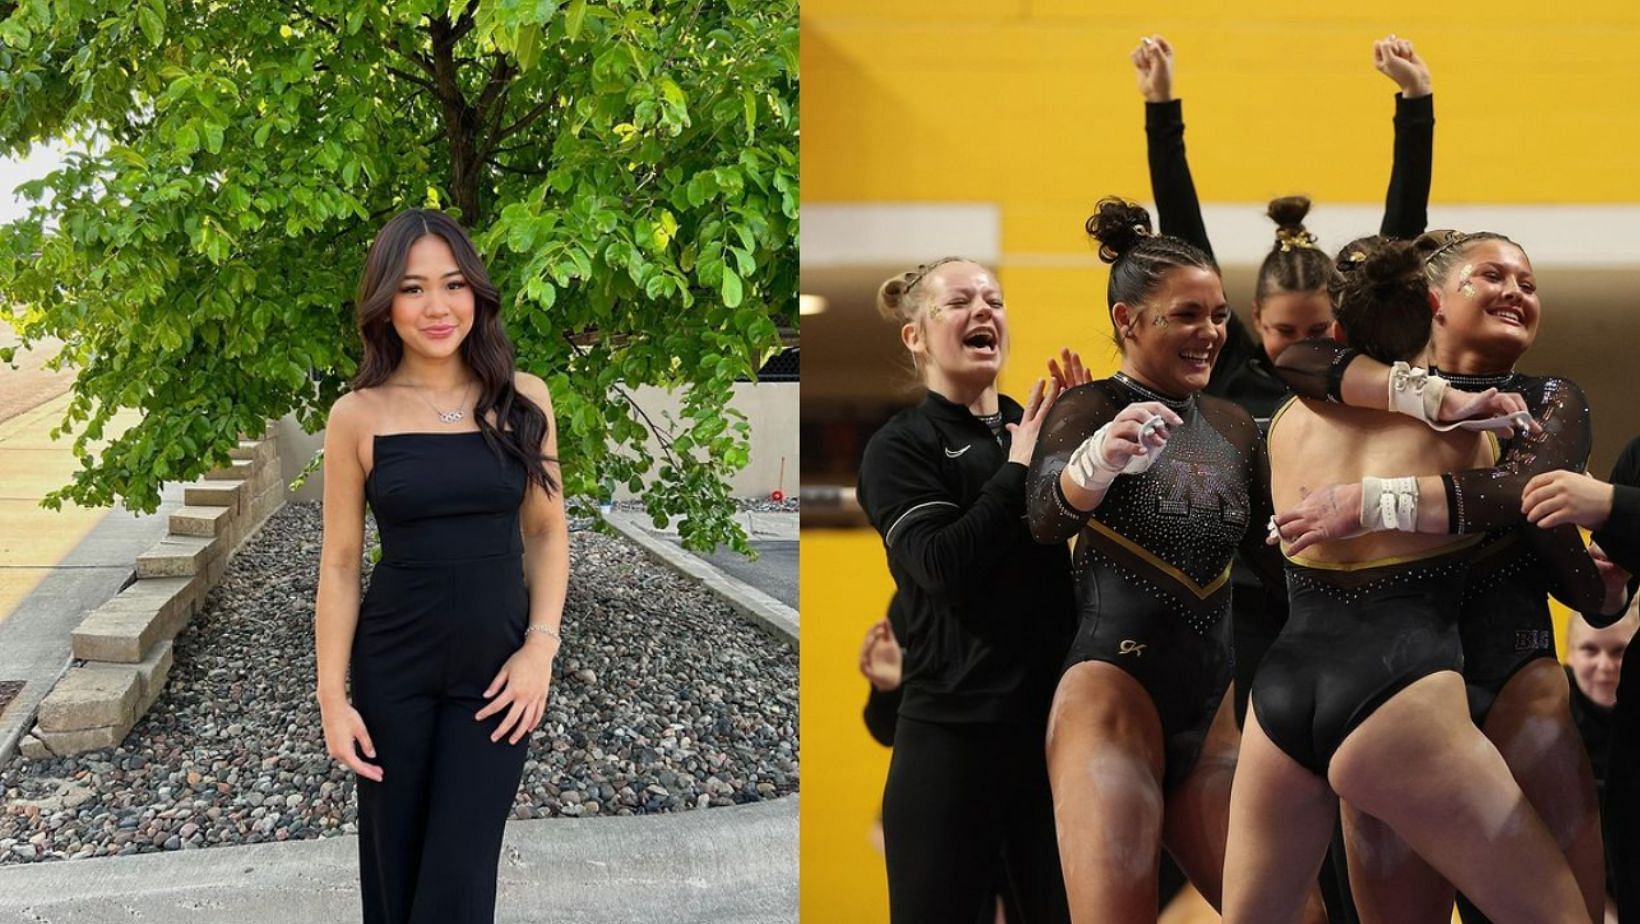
pixel 891 297
pixel 1118 225
pixel 1288 212
pixel 1393 265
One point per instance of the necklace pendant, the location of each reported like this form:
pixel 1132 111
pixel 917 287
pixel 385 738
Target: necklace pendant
pixel 451 416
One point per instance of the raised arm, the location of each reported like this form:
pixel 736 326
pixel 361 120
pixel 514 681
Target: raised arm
pixel 1406 206
pixel 1178 210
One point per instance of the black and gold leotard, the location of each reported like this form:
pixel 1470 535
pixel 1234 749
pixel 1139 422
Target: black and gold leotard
pixel 1152 563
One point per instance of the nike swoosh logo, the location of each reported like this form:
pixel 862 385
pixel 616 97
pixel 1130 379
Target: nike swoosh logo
pixel 950 454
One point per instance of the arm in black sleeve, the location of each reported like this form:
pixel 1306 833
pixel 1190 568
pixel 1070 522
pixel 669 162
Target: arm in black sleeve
pixel 1406 206
pixel 1479 500
pixel 1485 499
pixel 1315 368
pixel 1074 417
pixel 882 713
pixel 1620 537
pixel 942 547
pixel 1178 211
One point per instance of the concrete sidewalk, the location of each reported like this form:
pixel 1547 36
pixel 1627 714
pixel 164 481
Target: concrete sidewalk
pixel 733 864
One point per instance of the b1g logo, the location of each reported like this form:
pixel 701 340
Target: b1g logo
pixel 1533 639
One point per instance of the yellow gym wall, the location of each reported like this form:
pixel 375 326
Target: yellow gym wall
pixel 1032 105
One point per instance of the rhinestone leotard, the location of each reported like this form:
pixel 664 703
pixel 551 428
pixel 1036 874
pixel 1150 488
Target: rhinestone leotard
pixel 1152 563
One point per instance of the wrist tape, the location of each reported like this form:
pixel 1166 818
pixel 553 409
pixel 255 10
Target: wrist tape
pixel 1416 393
pixel 1389 503
pixel 1091 472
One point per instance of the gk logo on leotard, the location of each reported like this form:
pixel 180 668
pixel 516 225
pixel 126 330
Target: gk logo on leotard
pixel 1129 646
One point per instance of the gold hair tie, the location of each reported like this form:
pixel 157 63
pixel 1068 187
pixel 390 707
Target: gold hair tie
pixel 1358 256
pixel 1141 230
pixel 1293 240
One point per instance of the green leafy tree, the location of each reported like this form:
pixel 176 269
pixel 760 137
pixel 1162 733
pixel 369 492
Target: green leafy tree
pixel 628 169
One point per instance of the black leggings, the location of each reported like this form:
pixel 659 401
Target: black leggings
pixel 967 814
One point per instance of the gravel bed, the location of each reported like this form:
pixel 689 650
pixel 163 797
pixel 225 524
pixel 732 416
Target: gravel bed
pixel 663 700
pixel 742 505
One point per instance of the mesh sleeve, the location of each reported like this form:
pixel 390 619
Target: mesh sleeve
pixel 1489 498
pixel 1315 368
pixel 1073 418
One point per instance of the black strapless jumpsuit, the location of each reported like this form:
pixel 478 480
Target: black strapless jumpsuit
pixel 445 610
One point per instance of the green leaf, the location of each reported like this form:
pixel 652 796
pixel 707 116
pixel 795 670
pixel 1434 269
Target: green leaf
pixel 731 288
pixel 213 138
pixel 573 19
pixel 262 132
pixel 749 104
pixel 151 19
pixel 527 47
pixel 186 141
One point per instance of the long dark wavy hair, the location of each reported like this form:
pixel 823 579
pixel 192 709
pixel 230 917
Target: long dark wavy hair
pixel 486 349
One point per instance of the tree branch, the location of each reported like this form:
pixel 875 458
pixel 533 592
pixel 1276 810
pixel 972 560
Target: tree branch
pixel 523 122
pixel 519 170
pixel 661 438
pixel 418 81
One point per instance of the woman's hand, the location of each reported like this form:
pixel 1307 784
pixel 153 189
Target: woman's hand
pixel 1491 404
pixel 1068 372
pixel 1128 437
pixel 1153 60
pixel 343 727
pixel 1557 497
pixel 1025 432
pixel 880 658
pixel 1396 60
pixel 1333 512
pixel 1614 577
pixel 520 687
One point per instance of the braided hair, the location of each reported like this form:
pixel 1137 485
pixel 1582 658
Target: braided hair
pixel 1139 258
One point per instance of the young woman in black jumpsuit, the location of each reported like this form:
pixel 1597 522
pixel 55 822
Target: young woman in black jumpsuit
pixel 987 616
pixel 1488 316
pixel 1160 485
pixel 450 652
pixel 1360 697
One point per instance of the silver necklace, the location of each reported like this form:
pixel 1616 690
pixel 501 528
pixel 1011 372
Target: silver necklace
pixel 455 416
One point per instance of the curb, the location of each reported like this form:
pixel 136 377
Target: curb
pixel 728 864
pixel 769 614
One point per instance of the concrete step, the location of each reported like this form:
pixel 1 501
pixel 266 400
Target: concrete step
pixel 126 628
pixel 179 556
pixel 237 470
pixel 213 494
pixel 207 522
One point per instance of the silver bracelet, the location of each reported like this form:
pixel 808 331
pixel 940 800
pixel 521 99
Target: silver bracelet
pixel 544 630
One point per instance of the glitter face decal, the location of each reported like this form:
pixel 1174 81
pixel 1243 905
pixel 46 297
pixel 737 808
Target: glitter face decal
pixel 1464 285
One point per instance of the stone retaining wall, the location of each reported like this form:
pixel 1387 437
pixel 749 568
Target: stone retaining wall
pixel 122 649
